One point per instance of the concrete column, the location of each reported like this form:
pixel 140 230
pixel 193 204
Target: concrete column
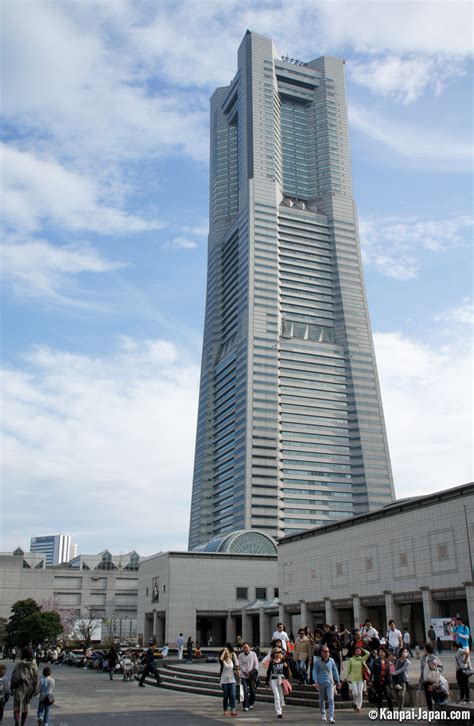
pixel 262 621
pixel 359 611
pixel 155 625
pixel 303 614
pixel 469 586
pixel 230 634
pixel 330 611
pixel 392 611
pixel 430 608
pixel 281 614
pixel 246 626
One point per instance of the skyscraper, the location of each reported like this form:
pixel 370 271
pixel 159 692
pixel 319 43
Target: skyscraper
pixel 290 432
pixel 55 547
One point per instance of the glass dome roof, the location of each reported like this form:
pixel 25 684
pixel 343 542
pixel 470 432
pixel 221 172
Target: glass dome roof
pixel 242 542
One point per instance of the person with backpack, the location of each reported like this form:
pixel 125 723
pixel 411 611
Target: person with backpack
pixel 46 698
pixel 24 685
pixel 357 673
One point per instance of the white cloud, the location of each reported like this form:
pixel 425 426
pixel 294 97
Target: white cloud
pixel 181 243
pixel 39 191
pixel 463 313
pixel 106 441
pixel 417 145
pixel 428 412
pixel 406 79
pixel 38 268
pixel 394 245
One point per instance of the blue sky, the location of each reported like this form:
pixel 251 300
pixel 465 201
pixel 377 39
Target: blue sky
pixel 105 173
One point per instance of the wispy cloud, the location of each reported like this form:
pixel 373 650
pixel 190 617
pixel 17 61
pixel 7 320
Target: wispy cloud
pixel 103 427
pixel 463 313
pixel 393 245
pixel 181 243
pixel 39 191
pixel 428 411
pixel 416 145
pixel 37 268
pixel 405 79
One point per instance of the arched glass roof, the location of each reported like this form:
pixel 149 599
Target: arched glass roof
pixel 242 542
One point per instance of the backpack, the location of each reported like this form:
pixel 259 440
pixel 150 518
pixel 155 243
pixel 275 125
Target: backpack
pixel 17 678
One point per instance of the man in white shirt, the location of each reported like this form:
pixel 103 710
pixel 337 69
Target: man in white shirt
pixel 280 634
pixel 394 638
pixel 248 663
pixel 180 644
pixel 368 632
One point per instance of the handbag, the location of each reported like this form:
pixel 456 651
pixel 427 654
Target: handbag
pixel 430 674
pixel 49 699
pixel 286 687
pixel 365 672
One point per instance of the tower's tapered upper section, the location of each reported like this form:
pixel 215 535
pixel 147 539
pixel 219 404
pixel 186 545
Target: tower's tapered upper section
pixel 290 427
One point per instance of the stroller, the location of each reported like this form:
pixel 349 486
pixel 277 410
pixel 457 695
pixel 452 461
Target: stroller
pixel 127 668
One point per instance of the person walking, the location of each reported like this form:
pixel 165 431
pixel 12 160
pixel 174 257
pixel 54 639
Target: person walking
pixel 400 678
pixel 463 671
pixel 382 679
pixel 407 641
pixel 282 635
pixel 24 685
pixel 394 638
pixel 301 654
pixel 325 675
pixel 112 659
pixel 46 697
pixel 149 666
pixel 4 690
pixel 430 671
pixel 229 667
pixel 356 669
pixel 189 650
pixel 248 664
pixel 180 645
pixel 277 671
pixel 432 637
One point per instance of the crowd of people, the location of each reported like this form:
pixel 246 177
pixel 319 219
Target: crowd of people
pixel 334 660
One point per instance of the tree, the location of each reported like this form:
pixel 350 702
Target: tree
pixel 85 627
pixel 29 625
pixel 67 616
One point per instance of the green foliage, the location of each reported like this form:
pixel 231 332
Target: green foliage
pixel 29 625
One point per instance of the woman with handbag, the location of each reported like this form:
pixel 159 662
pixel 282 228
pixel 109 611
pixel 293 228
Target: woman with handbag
pixel 357 673
pixel 382 679
pixel 400 677
pixel 430 671
pixel 228 679
pixel 278 675
pixel 46 698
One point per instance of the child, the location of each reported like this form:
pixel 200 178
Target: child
pixel 4 690
pixel 46 698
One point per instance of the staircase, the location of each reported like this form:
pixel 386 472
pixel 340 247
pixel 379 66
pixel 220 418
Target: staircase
pixel 180 677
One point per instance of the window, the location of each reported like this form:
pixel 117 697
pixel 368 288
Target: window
pixel 275 592
pixel 260 593
pixel 242 593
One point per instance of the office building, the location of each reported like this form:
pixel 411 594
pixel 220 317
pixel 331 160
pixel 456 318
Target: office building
pixel 290 432
pixel 55 547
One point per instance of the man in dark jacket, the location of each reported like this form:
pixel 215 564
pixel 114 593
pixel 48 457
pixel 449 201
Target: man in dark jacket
pixel 112 660
pixel 149 667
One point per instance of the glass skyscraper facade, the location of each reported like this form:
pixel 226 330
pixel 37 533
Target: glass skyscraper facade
pixel 290 433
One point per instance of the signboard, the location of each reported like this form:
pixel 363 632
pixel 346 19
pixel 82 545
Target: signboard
pixel 442 627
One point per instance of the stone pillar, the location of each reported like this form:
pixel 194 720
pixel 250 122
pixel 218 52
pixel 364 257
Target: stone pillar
pixel 392 611
pixel 430 608
pixel 330 612
pixel 281 614
pixel 303 614
pixel 262 621
pixel 469 587
pixel 359 611
pixel 230 634
pixel 246 626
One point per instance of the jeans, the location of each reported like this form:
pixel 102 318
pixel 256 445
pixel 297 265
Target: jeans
pixel 463 683
pixel 278 698
pixel 249 692
pixel 326 691
pixel 228 690
pixel 301 668
pixel 357 693
pixel 43 711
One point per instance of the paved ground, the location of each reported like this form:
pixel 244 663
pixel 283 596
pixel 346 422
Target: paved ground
pixel 85 697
